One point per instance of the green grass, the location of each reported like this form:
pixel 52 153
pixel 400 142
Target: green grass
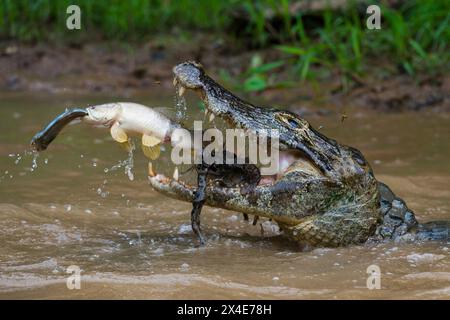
pixel 114 19
pixel 414 38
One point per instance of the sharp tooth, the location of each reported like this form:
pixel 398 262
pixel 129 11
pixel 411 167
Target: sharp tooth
pixel 151 173
pixel 175 174
pixel 181 91
pixel 206 112
pixel 211 117
pixel 175 82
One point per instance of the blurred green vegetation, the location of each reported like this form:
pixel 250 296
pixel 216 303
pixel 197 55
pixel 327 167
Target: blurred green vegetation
pixel 414 36
pixel 114 19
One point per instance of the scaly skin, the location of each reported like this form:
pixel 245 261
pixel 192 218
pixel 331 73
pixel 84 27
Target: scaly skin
pixel 328 197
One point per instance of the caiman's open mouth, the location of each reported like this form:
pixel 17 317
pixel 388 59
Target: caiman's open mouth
pixel 238 114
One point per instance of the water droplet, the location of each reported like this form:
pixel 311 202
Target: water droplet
pixel 138 233
pixel 34 164
pixel 185 267
pixel 180 106
pixel 18 158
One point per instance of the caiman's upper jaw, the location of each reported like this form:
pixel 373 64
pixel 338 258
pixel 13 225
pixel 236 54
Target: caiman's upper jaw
pixel 187 76
pixel 217 100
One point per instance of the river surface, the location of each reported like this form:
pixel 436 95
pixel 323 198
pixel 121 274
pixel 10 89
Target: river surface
pixel 77 206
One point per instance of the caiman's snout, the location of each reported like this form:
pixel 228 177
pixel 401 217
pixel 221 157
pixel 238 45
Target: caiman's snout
pixel 188 75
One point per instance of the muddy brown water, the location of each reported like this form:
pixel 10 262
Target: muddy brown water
pixel 131 242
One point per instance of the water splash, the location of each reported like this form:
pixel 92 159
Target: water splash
pixel 34 163
pixel 180 106
pixel 18 157
pixel 139 239
pixel 127 164
pixel 101 191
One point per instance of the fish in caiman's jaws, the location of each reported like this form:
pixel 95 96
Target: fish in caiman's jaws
pixel 325 194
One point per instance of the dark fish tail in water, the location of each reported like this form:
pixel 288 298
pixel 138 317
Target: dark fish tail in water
pixel 434 230
pixel 44 137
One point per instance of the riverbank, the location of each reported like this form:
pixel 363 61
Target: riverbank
pixel 124 69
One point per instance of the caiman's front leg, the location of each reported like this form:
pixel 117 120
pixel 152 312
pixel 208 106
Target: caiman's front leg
pixel 198 201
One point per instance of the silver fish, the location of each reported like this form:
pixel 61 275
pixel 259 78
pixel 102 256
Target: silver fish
pixel 122 118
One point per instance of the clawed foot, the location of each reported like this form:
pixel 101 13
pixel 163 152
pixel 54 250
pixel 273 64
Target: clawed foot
pixel 199 235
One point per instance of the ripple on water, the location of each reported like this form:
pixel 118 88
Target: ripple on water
pixel 424 258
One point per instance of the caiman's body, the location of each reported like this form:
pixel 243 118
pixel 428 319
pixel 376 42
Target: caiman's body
pixel 325 193
pixel 327 196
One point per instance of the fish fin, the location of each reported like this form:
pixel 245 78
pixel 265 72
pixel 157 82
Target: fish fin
pixel 151 152
pixel 150 141
pixel 126 145
pixel 118 133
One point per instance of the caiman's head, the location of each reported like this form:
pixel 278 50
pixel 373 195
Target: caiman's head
pixel 318 177
pixel 296 135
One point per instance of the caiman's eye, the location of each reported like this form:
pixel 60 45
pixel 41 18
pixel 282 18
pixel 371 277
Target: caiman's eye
pixel 293 123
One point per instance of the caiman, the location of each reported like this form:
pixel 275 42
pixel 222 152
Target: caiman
pixel 325 193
